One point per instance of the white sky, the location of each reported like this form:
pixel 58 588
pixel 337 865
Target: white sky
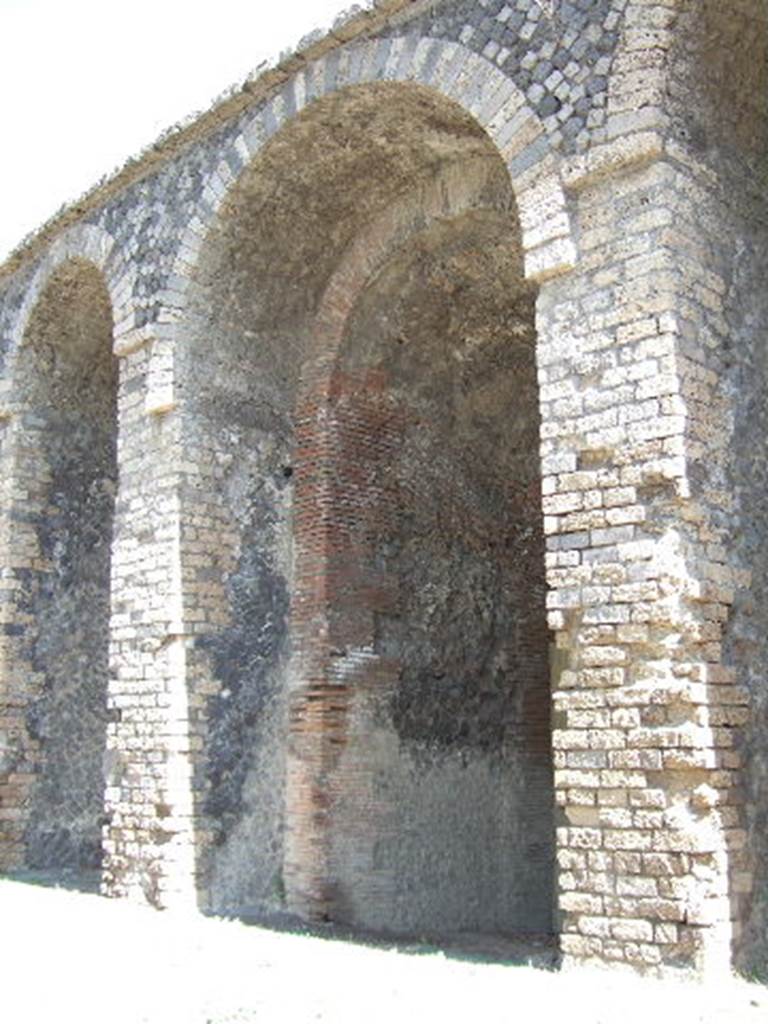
pixel 84 84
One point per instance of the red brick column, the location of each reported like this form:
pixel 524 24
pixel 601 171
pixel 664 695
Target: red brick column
pixel 346 429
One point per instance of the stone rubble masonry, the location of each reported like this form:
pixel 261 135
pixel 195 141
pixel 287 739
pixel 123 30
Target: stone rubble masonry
pixel 623 213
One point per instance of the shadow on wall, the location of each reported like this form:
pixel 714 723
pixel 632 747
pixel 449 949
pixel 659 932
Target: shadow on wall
pixel 65 464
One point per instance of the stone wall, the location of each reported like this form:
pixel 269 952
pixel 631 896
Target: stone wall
pixel 327 645
pixel 724 135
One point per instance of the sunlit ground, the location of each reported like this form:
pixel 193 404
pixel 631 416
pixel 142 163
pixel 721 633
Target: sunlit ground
pixel 74 958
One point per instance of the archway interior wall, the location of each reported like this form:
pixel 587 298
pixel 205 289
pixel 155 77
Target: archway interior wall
pixel 439 697
pixel 261 283
pixel 64 471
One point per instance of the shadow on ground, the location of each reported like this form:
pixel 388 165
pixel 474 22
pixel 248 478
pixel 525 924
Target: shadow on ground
pixel 72 881
pixel 68 956
pixel 528 949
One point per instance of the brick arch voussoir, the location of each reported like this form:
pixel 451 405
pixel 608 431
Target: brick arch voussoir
pixel 455 72
pixel 87 243
pixel 482 90
pixel 452 70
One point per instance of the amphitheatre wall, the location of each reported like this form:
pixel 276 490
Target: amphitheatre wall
pixel 382 490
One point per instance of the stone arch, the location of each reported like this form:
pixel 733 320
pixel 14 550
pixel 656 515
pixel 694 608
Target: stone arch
pixel 92 244
pixel 226 392
pixel 453 71
pixel 60 459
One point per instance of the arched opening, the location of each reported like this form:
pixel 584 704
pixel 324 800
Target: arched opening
pixel 65 468
pixel 360 403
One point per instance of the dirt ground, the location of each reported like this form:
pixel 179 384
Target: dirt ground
pixel 74 958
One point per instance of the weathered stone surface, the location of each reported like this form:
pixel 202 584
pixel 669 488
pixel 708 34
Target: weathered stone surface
pixel 463 303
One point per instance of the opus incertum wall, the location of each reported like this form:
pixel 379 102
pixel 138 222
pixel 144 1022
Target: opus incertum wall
pixel 383 526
